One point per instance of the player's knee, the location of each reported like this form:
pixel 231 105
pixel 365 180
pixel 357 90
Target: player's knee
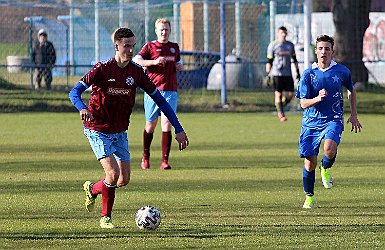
pixel 330 149
pixel 330 152
pixel 310 163
pixel 112 175
pixel 150 127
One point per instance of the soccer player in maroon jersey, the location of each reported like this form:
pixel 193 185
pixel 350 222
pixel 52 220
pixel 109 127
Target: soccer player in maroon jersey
pixel 106 118
pixel 162 60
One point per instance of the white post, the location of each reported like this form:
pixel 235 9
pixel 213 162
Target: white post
pixel 272 20
pixel 176 12
pixel 307 10
pixel 121 20
pixel 238 32
pixel 72 47
pixel 146 21
pixel 206 26
pixel 96 31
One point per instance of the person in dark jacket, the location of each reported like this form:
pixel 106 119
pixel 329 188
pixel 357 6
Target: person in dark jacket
pixel 44 58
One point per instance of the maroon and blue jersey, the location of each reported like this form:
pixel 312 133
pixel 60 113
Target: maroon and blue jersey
pixel 164 77
pixel 113 94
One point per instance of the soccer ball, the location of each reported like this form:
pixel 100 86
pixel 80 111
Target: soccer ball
pixel 147 217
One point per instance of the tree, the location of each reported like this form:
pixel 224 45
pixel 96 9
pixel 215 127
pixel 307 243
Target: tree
pixel 351 18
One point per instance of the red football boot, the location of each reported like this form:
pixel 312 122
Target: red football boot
pixel 145 163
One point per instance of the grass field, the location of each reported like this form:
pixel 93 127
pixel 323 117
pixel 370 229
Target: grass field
pixel 237 186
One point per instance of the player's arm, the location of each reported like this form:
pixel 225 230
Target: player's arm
pixel 75 96
pixel 295 61
pixel 307 103
pixel 269 64
pixel 179 62
pixel 160 61
pixel 270 58
pixel 353 119
pixel 165 107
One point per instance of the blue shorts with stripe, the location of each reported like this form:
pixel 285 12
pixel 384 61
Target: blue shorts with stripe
pixel 311 137
pixel 152 111
pixel 104 145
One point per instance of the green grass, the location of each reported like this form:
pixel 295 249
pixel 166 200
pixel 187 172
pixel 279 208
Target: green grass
pixel 14 99
pixel 237 186
pixel 7 49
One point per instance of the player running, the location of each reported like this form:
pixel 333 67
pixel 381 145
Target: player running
pixel 106 119
pixel 321 96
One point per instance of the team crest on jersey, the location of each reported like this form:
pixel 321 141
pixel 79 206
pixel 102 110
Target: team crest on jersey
pixel 130 81
pixel 172 50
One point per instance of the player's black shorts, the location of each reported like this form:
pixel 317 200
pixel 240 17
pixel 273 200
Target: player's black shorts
pixel 283 83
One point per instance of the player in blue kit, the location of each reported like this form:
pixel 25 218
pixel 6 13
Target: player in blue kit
pixel 321 96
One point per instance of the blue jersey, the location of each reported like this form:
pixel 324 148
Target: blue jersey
pixel 331 108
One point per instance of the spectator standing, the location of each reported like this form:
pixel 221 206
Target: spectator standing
pixel 44 58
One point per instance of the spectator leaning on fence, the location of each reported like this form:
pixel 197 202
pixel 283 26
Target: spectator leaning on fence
pixel 162 60
pixel 279 55
pixel 44 58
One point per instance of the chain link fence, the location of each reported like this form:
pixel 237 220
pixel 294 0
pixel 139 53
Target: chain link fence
pixel 81 33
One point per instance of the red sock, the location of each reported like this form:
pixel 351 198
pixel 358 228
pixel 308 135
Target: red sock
pixel 147 139
pixel 108 198
pixel 108 195
pixel 97 187
pixel 166 145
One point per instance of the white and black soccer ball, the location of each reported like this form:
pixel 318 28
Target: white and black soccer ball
pixel 148 217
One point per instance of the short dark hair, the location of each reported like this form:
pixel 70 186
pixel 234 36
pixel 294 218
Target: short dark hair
pixel 122 33
pixel 283 28
pixel 325 38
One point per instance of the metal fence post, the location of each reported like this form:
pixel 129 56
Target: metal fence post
pixel 307 9
pixel 272 19
pixel 206 26
pixel 96 31
pixel 223 53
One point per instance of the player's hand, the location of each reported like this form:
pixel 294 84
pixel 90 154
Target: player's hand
pixel 86 115
pixel 356 125
pixel 179 67
pixel 160 61
pixel 182 139
pixel 322 94
pixel 268 80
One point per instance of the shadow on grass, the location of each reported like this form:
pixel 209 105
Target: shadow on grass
pixel 210 231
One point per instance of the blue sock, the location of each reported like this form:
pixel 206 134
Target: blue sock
pixel 308 181
pixel 328 163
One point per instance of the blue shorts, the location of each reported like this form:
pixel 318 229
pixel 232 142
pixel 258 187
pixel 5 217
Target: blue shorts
pixel 310 138
pixel 104 145
pixel 152 111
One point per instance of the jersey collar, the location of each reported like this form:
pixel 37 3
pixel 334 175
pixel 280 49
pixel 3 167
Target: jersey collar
pixel 315 65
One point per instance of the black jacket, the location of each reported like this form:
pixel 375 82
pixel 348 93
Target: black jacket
pixel 44 54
